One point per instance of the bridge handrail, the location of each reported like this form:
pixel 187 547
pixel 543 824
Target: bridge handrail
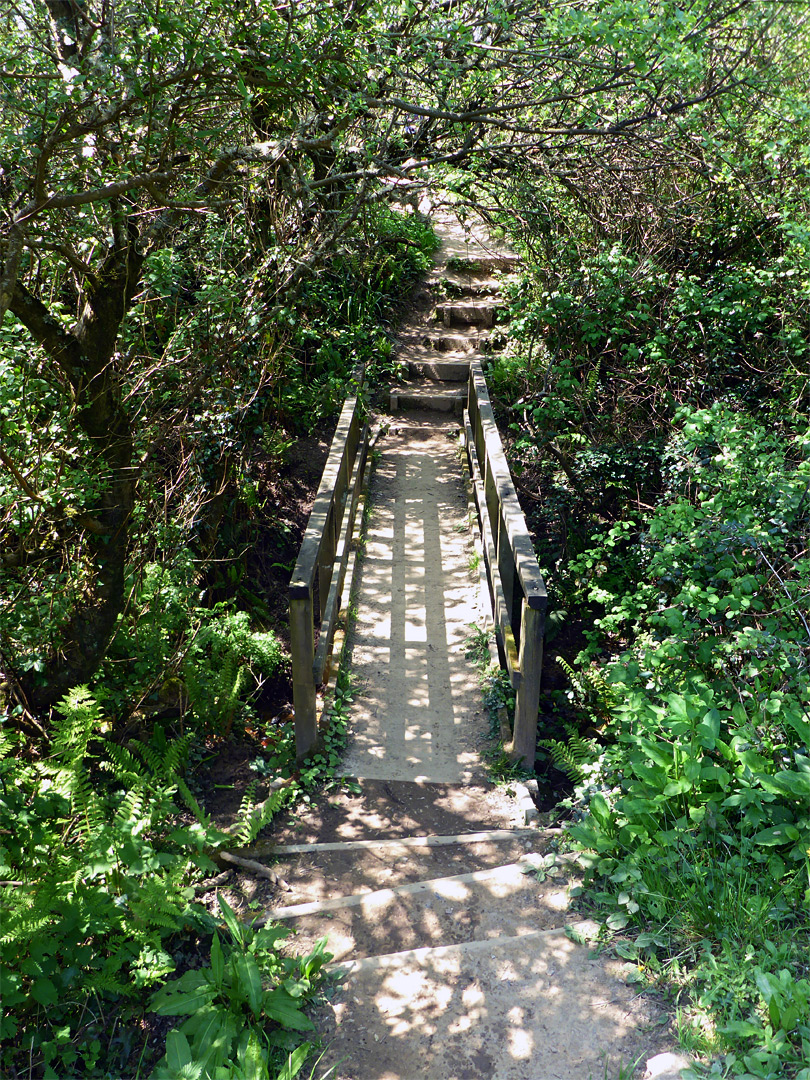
pixel 517 590
pixel 317 579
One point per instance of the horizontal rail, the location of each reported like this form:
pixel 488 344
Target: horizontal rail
pixel 316 584
pixel 517 589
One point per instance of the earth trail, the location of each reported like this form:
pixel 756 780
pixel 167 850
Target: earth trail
pixel 448 917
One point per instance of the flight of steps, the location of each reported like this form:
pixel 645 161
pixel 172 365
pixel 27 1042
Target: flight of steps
pixel 458 954
pixel 463 322
pixel 448 918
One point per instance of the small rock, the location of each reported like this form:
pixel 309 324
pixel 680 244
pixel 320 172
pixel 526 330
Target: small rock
pixel 666 1067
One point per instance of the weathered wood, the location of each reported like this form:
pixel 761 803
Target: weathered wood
pixel 332 605
pixel 302 647
pixel 517 588
pixel 528 695
pixel 488 440
pixel 317 579
pixel 303 576
pixel 503 627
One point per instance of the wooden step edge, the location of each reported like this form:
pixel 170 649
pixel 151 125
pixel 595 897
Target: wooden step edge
pixel 586 929
pixel 486 836
pixel 377 896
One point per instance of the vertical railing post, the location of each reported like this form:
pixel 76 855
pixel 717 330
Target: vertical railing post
pixel 302 649
pixel 527 701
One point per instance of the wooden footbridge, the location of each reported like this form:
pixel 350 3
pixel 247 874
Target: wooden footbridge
pixel 447 915
pixel 443 354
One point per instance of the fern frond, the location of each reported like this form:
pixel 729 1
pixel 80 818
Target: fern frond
pixel 569 757
pixel 176 755
pixel 78 713
pixel 591 688
pixel 122 763
pixel 151 757
pixel 130 810
pixel 258 817
pixel 191 802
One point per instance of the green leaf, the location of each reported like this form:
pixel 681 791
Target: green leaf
pixel 776 834
pixel 236 928
pixel 178 1051
pixel 600 810
pixel 618 920
pixel 44 991
pixel 184 996
pixel 285 1010
pixel 253 1059
pixel 292 1066
pixel 250 980
pixel 217 961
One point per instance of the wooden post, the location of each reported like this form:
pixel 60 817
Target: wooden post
pixel 302 648
pixel 532 625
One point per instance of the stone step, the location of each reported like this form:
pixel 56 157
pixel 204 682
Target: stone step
pixel 535 1007
pixel 394 809
pixel 451 343
pixel 458 285
pixel 316 872
pixel 430 400
pixel 441 370
pixel 485 264
pixel 500 901
pixel 469 314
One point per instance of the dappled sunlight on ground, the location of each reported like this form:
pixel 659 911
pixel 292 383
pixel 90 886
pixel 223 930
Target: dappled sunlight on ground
pixel 487 1010
pixel 418 706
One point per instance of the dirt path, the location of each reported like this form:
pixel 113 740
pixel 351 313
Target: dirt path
pixel 460 957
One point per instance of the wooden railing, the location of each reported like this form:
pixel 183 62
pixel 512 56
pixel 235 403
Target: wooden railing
pixel 317 580
pixel 517 590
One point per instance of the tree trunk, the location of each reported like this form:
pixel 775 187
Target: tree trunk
pixel 83 361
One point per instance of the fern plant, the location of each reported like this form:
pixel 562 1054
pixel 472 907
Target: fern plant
pixel 101 874
pixel 226 659
pixel 570 756
pixel 591 690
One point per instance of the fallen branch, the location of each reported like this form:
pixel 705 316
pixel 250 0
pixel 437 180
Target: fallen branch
pixel 257 868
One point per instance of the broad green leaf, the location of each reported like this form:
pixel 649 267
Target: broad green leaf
pixel 178 1051
pixel 231 921
pixel 217 961
pixel 183 996
pixel 44 991
pixel 253 1059
pixel 285 1010
pixel 618 920
pixel 294 1063
pixel 600 809
pixel 776 834
pixel 250 981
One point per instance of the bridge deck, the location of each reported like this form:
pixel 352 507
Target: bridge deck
pixel 418 713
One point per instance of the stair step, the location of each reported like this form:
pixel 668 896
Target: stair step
pixel 395 809
pixel 336 870
pixel 539 1006
pixel 486 264
pixel 406 842
pixel 433 400
pixel 485 904
pixel 447 343
pixel 458 285
pixel 469 314
pixel 442 370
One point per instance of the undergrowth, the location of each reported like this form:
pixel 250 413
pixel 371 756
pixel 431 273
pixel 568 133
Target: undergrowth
pixel 672 529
